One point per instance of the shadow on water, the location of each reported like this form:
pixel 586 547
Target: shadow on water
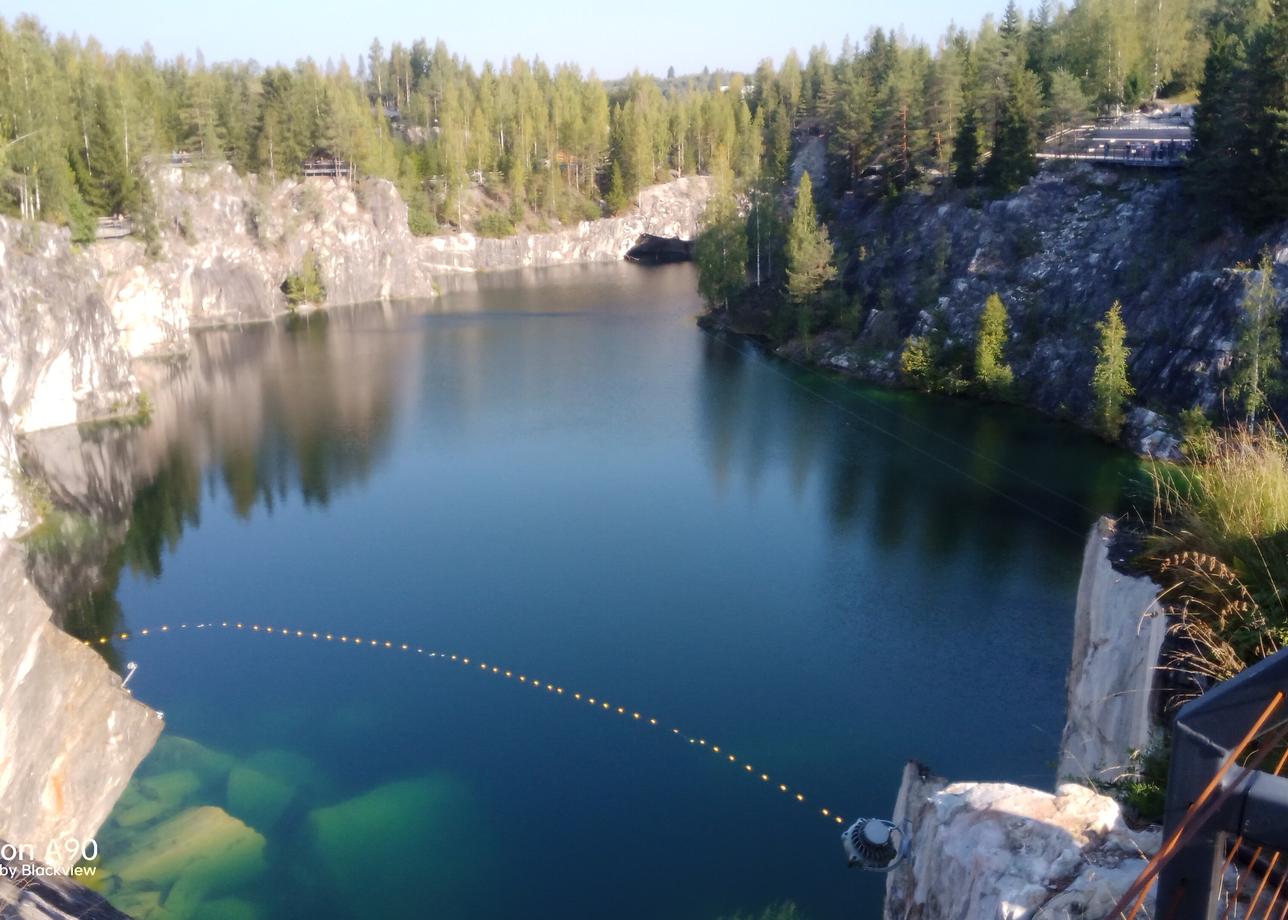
pixel 908 466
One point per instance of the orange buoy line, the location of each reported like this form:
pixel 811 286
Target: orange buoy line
pixel 553 689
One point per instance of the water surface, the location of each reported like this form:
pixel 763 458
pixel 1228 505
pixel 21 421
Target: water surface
pixel 560 474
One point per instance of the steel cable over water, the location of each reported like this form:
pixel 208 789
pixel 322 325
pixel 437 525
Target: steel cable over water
pixel 473 664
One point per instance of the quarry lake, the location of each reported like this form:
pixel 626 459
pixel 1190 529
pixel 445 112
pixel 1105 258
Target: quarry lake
pixel 558 476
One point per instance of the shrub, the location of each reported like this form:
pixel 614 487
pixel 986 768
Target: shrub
pixel 81 220
pixel 33 494
pixel 305 285
pixel 1109 384
pixel 992 374
pixel 1144 792
pixel 495 225
pixel 615 199
pixel 917 361
pixel 421 221
pixel 1195 430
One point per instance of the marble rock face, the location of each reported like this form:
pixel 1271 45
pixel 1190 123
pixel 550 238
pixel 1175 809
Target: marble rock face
pixel 70 736
pixel 997 851
pixel 1118 633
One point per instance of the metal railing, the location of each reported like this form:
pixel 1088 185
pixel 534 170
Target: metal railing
pixel 329 167
pixel 1147 141
pixel 1222 809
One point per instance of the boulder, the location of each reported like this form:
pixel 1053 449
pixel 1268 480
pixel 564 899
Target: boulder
pixel 988 851
pixel 432 819
pixel 204 847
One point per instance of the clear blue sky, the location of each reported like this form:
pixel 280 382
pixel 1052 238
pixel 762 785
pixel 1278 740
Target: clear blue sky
pixel 611 37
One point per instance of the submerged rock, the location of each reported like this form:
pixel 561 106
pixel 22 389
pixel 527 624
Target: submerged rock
pixel 204 846
pixel 147 799
pixel 257 798
pixel 370 837
pixel 175 752
pixel 227 909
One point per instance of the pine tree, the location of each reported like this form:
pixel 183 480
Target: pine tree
pixel 1267 194
pixel 851 137
pixel 765 233
pixel 1011 29
pixel 992 373
pixel 1015 143
pixel 966 152
pixel 809 249
pixel 1068 104
pixel 616 199
pixel 1110 387
pixel 1220 126
pixel 110 188
pixel 917 362
pixel 721 247
pixel 1256 354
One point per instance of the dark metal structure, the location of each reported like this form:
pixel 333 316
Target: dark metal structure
pixel 1249 809
pixel 324 164
pixel 1160 142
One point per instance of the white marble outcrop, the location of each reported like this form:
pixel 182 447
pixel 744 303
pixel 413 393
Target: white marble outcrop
pixel 1118 633
pixel 70 736
pixel 72 318
pixel 995 851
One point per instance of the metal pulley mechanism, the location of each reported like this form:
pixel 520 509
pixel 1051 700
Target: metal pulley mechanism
pixel 875 844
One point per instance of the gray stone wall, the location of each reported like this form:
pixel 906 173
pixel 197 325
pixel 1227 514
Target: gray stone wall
pixel 70 735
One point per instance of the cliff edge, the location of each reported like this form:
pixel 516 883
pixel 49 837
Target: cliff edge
pixel 982 851
pixel 70 735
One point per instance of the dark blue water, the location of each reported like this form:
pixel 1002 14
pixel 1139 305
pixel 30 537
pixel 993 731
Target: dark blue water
pixel 562 475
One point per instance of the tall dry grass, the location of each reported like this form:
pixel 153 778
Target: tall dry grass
pixel 1220 547
pixel 1235 490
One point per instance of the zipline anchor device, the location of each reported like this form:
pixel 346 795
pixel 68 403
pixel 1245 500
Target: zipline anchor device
pixel 876 844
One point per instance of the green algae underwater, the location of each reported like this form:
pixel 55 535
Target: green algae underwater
pixel 193 836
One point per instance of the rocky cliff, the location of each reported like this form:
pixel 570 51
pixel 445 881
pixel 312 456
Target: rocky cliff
pixel 1059 252
pixel 982 851
pixel 987 851
pixel 72 318
pixel 228 242
pixel 61 357
pixel 671 211
pixel 70 736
